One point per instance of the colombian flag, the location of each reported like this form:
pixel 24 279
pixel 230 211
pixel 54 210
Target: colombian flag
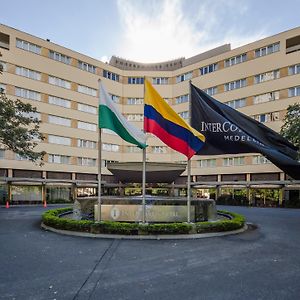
pixel 161 120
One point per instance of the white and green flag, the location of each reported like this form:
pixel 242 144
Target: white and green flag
pixel 111 118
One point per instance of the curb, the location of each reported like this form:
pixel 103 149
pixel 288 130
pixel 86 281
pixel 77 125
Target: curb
pixel 36 205
pixel 145 237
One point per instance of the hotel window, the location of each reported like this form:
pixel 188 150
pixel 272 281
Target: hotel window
pixel 266 97
pixel 263 118
pixel 2 153
pixel 4 66
pixel 104 162
pixel 233 161
pixel 235 60
pixel 274 116
pixel 295 69
pixel 268 117
pixel 135 117
pixel 238 103
pixel 267 50
pixel 266 76
pixel 208 69
pixel 2 87
pixel 184 77
pixel 60 140
pixel 4 41
pixel 86 126
pixel 28 94
pixel 59 121
pixel 235 84
pixel 211 91
pixel 115 98
pixel 59 101
pixel 184 114
pixel 86 144
pixel 31 115
pixel 294 91
pixel 20 157
pixel 86 161
pixel 133 149
pixel 135 101
pixel 260 160
pixel 60 82
pixel 135 80
pixel 207 163
pixel 110 75
pixel 293 44
pixel 86 67
pixel 110 147
pixel 159 149
pixel 60 57
pixel 182 99
pixel 28 46
pixel 87 108
pixel 28 73
pixel 87 90
pixel 58 159
pixel 160 80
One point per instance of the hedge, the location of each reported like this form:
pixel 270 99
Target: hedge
pixel 236 222
pixel 52 218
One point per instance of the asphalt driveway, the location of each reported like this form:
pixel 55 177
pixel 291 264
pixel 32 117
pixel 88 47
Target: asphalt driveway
pixel 258 264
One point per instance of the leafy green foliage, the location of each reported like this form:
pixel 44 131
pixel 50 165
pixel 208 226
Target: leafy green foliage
pixel 291 127
pixel 172 228
pixel 115 228
pixel 236 222
pixel 19 128
pixel 52 218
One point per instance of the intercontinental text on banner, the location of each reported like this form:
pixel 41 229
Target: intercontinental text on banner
pixel 228 131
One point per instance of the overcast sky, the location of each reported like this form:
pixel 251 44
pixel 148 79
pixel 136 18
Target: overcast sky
pixel 150 30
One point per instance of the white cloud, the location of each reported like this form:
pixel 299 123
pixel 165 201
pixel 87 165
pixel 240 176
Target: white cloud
pixel 105 58
pixel 154 31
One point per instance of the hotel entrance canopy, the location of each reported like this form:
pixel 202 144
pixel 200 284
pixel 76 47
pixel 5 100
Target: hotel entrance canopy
pixel 156 172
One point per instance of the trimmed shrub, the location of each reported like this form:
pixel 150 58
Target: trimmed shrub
pixel 52 218
pixel 171 228
pixel 236 222
pixel 115 228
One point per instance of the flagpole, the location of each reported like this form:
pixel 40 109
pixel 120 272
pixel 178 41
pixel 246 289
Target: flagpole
pixel 144 186
pixel 189 191
pixel 144 177
pixel 189 167
pixel 99 161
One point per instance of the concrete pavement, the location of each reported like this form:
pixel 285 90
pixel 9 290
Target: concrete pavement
pixel 258 264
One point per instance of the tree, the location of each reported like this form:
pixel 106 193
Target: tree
pixel 291 127
pixel 19 128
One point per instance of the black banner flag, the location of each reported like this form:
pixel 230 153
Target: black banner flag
pixel 228 131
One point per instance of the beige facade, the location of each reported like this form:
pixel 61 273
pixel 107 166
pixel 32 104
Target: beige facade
pixel 259 79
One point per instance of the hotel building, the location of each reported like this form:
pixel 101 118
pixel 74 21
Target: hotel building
pixel 260 79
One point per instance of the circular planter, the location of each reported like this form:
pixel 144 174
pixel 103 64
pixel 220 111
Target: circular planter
pixel 56 220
